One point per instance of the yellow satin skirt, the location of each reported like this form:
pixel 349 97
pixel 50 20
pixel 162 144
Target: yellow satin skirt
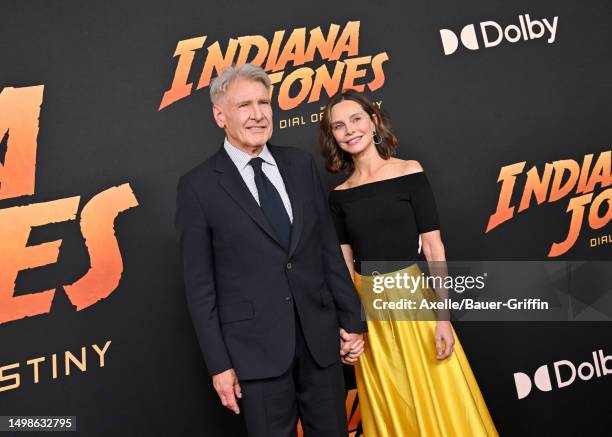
pixel 404 390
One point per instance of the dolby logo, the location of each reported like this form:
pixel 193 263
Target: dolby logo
pixel 565 374
pixel 492 33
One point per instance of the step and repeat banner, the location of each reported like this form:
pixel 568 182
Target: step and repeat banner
pixel 105 104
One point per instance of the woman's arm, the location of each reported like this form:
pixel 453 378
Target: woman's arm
pixel 433 249
pixel 432 246
pixel 357 349
pixel 347 252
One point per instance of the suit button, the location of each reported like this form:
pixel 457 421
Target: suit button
pixel 289 266
pixel 287 299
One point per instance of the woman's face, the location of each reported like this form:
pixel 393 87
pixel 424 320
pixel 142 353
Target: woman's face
pixel 352 127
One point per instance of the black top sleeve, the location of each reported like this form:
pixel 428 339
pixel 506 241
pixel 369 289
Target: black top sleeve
pixel 424 205
pixel 338 216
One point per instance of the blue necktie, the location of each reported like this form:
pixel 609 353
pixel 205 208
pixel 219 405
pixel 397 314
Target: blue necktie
pixel 271 203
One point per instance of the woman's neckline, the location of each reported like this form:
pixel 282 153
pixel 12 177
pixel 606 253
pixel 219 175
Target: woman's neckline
pixel 377 182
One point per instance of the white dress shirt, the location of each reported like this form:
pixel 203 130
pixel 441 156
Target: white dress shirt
pixel 241 161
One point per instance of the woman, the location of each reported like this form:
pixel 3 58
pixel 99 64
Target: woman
pixel 409 379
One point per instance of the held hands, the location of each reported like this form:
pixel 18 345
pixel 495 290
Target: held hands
pixel 445 341
pixel 351 346
pixel 227 387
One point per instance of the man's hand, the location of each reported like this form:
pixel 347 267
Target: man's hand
pixel 351 346
pixel 444 337
pixel 227 387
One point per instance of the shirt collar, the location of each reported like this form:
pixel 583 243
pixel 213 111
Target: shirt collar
pixel 241 159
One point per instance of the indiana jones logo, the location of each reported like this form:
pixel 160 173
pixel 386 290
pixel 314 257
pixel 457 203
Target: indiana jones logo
pixel 289 58
pixel 559 179
pixel 19 122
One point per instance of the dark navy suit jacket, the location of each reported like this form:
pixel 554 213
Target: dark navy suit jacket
pixel 242 285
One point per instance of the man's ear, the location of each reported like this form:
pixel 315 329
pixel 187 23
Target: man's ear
pixel 219 116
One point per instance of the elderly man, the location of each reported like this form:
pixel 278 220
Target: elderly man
pixel 266 283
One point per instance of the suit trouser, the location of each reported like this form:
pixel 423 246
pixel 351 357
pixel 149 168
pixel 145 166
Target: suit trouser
pixel 316 395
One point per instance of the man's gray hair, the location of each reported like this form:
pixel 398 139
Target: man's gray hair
pixel 220 83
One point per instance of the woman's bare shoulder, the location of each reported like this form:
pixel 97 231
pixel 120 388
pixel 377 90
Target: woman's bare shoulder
pixel 343 186
pixel 412 166
pixel 403 167
pixel 340 187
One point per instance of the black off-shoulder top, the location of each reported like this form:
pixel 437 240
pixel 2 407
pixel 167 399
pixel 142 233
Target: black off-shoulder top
pixel 382 220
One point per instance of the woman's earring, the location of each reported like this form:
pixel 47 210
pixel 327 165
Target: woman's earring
pixel 377 139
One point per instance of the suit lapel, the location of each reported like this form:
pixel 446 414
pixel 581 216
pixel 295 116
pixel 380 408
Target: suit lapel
pixel 292 186
pixel 232 182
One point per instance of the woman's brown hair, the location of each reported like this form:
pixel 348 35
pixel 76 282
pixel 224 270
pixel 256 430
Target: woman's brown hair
pixel 336 159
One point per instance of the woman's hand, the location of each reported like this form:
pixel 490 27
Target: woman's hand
pixel 445 341
pixel 351 346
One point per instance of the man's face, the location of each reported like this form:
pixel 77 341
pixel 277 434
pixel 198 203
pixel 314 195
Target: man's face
pixel 245 113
